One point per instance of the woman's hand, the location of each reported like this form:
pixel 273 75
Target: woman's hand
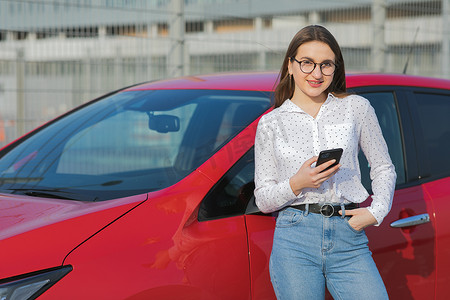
pixel 309 177
pixel 361 218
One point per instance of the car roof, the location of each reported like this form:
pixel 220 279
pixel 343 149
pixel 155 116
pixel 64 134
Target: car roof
pixel 359 80
pixel 265 81
pixel 251 81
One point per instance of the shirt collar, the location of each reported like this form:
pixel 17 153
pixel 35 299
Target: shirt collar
pixel 289 106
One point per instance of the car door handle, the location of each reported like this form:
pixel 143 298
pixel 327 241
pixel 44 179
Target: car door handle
pixel 411 221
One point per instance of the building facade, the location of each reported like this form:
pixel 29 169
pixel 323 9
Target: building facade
pixel 57 54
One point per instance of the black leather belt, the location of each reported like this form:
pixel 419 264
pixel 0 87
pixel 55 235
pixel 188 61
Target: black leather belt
pixel 326 210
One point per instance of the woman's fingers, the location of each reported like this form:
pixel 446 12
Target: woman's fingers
pixel 331 171
pixel 318 178
pixel 322 167
pixel 313 177
pixel 310 161
pixel 360 218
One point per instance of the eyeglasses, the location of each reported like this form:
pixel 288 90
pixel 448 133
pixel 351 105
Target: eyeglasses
pixel 307 66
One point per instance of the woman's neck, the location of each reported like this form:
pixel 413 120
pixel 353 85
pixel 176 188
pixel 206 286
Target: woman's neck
pixel 310 105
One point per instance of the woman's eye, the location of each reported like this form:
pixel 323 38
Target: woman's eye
pixel 307 62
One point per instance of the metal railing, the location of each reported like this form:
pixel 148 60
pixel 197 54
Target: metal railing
pixel 58 54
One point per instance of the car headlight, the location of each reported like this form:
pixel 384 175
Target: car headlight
pixel 30 286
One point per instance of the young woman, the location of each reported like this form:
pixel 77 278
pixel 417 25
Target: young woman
pixel 319 238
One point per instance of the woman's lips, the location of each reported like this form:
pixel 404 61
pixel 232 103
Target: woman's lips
pixel 315 83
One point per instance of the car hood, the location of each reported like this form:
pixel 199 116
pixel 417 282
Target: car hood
pixel 38 233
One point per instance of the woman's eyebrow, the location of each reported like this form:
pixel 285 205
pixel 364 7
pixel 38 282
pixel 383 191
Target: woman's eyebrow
pixel 324 61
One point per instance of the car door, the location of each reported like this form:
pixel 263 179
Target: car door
pixel 404 254
pixel 431 110
pixel 231 197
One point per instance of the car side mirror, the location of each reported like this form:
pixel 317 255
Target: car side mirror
pixel 163 123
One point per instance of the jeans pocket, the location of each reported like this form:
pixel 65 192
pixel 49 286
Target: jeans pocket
pixel 346 219
pixel 289 217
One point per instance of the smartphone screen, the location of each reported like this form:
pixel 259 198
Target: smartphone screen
pixel 327 155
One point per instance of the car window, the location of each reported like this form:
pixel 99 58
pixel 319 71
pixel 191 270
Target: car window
pixel 96 150
pixel 230 196
pixel 129 143
pixel 433 112
pixel 385 107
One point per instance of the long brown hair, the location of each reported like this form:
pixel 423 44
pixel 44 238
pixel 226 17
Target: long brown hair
pixel 286 86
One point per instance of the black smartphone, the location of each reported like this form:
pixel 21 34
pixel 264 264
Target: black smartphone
pixel 327 155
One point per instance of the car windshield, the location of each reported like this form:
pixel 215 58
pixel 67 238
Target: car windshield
pixel 128 143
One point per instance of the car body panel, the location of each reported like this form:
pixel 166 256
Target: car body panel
pixel 168 251
pixel 260 236
pixel 439 192
pixel 406 256
pixel 37 233
pixel 376 79
pixel 263 81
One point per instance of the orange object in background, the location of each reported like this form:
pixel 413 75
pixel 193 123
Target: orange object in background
pixel 2 131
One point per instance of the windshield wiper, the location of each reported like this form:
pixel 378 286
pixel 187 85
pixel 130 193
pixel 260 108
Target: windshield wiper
pixel 46 193
pixel 12 180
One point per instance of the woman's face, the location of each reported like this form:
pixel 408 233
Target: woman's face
pixel 315 84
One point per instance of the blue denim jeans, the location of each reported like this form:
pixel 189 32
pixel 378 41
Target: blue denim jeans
pixel 311 252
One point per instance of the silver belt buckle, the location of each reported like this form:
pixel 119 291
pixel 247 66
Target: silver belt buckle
pixel 327 210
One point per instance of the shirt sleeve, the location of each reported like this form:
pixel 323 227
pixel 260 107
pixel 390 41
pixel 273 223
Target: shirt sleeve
pixel 382 171
pixel 270 193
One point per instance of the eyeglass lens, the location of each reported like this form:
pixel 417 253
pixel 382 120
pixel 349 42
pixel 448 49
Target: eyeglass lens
pixel 308 67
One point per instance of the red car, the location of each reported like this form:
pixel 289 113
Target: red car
pixel 147 193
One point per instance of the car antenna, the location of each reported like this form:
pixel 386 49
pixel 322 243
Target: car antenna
pixel 410 50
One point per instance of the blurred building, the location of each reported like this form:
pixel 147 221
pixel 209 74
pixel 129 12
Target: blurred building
pixel 57 54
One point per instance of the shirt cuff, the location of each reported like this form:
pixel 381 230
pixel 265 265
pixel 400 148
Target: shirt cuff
pixel 377 217
pixel 288 192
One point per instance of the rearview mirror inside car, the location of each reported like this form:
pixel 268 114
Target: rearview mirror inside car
pixel 163 123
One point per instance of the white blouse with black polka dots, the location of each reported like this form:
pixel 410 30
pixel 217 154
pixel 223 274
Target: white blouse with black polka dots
pixel 287 136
